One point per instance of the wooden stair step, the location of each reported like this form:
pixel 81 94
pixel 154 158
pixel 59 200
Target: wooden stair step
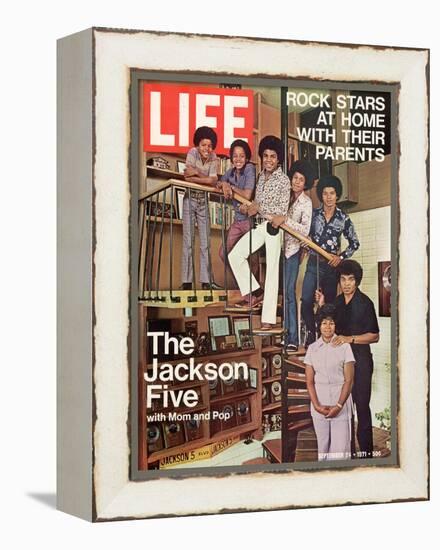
pixel 306 456
pixel 234 309
pixel 272 332
pixel 297 409
pixel 307 434
pixel 299 425
pixel 271 406
pixel 295 362
pixel 296 393
pixel 273 448
pixel 307 445
pixel 295 377
pixel 300 353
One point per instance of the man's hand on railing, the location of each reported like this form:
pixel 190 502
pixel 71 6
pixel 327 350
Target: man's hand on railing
pixel 304 246
pixel 226 189
pixel 306 243
pixel 190 172
pixel 253 208
pixel 335 260
pixel 277 220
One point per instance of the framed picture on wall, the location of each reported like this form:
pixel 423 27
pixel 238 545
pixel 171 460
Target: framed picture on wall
pixel 384 284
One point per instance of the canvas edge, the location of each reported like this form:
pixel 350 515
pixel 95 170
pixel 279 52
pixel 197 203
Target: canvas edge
pixel 74 274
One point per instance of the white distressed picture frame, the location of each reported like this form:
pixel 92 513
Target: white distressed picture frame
pixel 94 274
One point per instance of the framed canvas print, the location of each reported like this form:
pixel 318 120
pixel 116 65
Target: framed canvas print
pixel 237 274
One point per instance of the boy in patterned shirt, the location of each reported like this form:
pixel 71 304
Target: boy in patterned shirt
pixel 329 223
pixel 299 218
pixel 271 203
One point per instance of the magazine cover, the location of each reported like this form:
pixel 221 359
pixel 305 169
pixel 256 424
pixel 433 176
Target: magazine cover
pixel 266 233
pixel 243 274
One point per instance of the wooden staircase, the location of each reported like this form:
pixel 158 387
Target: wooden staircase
pixel 298 440
pixel 296 404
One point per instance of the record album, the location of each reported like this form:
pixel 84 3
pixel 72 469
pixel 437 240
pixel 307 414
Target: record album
pixel 242 382
pixel 275 390
pixel 264 366
pixel 173 434
pixel 154 438
pixel 229 418
pixel 193 429
pixel 265 395
pixel 215 388
pixel 276 363
pixel 229 385
pixel 243 411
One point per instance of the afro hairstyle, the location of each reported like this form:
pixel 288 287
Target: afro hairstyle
pixel 245 147
pixel 329 181
pixel 306 169
pixel 204 132
pixel 274 144
pixel 351 267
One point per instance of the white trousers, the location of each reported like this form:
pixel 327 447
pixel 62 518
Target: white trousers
pixel 333 436
pixel 238 260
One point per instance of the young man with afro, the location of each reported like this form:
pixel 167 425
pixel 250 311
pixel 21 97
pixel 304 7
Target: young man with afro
pixel 271 204
pixel 329 224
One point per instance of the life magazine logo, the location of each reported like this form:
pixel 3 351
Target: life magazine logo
pixel 173 112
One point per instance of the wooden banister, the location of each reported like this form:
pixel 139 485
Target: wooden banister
pixel 213 190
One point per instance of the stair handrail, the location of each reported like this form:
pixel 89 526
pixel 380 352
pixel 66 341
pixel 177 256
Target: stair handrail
pixel 213 190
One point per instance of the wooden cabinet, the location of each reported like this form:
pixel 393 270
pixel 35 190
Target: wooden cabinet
pixel 271 360
pixel 348 173
pixel 229 411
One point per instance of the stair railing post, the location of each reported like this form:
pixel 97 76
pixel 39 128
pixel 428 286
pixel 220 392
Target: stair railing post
pixel 147 248
pixel 153 246
pixel 159 260
pixel 141 268
pixel 192 237
pixel 206 196
pixel 225 252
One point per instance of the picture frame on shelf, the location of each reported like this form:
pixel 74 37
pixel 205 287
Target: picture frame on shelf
pixel 180 166
pixel 241 326
pixel 179 195
pixel 219 325
pixel 253 378
pixel 246 339
pixel 202 344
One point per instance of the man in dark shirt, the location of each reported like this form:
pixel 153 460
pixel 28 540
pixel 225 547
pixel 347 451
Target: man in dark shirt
pixel 356 324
